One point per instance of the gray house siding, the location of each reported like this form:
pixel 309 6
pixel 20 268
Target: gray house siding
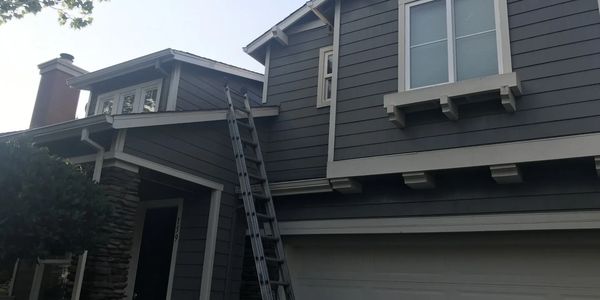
pixel 203 89
pixel 202 149
pixel 554 51
pixel 298 137
pixel 548 186
pixel 190 252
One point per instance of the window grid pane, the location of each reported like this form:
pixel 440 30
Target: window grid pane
pixel 328 88
pixel 429 64
pixel 128 103
pixel 473 16
pixel 428 44
pixel 150 100
pixel 476 56
pixel 329 63
pixel 107 106
pixel 428 22
pixel 471 51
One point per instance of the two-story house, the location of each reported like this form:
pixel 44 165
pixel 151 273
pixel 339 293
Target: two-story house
pixel 431 149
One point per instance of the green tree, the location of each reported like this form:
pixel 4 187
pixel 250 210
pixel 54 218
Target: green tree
pixel 47 205
pixel 76 13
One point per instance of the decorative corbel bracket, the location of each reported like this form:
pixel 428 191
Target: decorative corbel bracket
pixel 506 174
pixel 419 180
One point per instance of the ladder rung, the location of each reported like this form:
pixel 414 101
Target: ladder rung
pixel 274 260
pixel 279 283
pixel 256 177
pixel 256 196
pixel 242 109
pixel 253 159
pixel 270 238
pixel 249 142
pixel 264 216
pixel 246 125
pixel 260 197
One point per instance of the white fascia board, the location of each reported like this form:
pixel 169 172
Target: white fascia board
pixel 314 186
pixel 283 25
pixel 146 61
pixel 71 128
pixel 170 118
pixel 572 146
pixel 445 224
pixel 306 186
pixel 103 122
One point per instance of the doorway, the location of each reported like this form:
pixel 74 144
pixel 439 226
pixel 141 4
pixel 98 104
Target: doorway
pixel 155 249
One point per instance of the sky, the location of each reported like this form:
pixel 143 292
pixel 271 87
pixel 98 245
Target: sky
pixel 123 30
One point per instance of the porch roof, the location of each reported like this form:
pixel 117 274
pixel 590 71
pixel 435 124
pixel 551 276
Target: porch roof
pixel 99 123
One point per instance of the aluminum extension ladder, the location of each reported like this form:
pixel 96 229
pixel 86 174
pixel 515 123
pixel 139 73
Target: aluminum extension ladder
pixel 271 268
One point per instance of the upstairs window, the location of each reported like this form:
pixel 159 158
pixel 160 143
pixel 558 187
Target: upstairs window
pixel 324 86
pixel 450 40
pixel 135 99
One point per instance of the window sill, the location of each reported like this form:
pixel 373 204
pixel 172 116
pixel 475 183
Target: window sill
pixel 508 86
pixel 323 104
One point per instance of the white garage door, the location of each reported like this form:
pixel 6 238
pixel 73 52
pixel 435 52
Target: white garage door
pixel 492 266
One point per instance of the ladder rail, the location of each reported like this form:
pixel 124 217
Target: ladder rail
pixel 257 246
pixel 284 270
pixel 269 287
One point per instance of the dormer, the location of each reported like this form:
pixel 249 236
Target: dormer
pixel 161 81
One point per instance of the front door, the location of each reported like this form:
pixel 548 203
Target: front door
pixel 156 253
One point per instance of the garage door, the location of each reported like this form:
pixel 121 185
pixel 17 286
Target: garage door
pixel 498 266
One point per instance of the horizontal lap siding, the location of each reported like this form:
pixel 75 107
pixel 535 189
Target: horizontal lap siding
pixel 190 252
pixel 297 147
pixel 555 50
pixel 556 186
pixel 202 89
pixel 201 149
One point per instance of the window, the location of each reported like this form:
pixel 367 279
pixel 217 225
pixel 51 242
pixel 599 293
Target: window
pixel 325 84
pixel 136 99
pixel 450 40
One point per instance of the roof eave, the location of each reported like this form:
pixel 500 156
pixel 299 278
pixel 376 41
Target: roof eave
pixel 65 129
pixel 105 122
pixel 210 64
pixel 284 24
pixel 85 81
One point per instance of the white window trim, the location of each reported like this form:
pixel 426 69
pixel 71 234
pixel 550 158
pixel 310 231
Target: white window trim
pixel 265 91
pixel 323 53
pixel 137 89
pixel 502 41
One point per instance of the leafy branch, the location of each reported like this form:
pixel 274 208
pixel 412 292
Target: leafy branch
pixel 76 13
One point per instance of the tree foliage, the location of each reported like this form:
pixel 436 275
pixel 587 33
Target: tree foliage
pixel 47 206
pixel 76 13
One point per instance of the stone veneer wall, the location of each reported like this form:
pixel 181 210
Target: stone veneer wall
pixel 107 267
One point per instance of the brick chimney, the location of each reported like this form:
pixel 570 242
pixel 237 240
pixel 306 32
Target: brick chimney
pixel 56 102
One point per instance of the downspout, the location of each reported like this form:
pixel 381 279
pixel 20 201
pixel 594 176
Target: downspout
pixel 85 137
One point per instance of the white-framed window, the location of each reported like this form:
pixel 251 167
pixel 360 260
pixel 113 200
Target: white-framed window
pixel 134 99
pixel 447 41
pixel 325 84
